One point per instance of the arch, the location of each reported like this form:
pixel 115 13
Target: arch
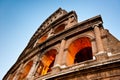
pixel 43 38
pixel 59 28
pixel 47 62
pixel 79 50
pixel 25 70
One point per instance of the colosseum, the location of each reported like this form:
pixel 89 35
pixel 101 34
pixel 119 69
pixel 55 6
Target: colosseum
pixel 64 49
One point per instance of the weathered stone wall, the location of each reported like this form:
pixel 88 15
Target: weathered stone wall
pixel 104 64
pixel 113 44
pixel 109 71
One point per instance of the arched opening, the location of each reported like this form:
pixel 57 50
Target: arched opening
pixel 43 38
pixel 83 55
pixel 79 50
pixel 47 62
pixel 25 70
pixel 59 28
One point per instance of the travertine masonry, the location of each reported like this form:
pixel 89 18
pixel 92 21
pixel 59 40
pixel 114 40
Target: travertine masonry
pixel 64 49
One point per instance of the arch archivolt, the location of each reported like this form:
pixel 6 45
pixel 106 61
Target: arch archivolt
pixel 25 70
pixel 46 61
pixel 59 28
pixel 69 41
pixel 77 47
pixel 26 62
pixel 42 38
pixel 56 47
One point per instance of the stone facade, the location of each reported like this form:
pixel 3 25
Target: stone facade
pixel 64 49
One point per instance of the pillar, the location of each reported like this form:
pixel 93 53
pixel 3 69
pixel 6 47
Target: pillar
pixel 59 57
pixel 33 69
pixel 98 39
pixel 65 62
pixel 101 54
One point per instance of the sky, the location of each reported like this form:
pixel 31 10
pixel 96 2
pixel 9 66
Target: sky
pixel 19 19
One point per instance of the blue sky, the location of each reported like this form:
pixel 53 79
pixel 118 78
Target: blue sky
pixel 19 19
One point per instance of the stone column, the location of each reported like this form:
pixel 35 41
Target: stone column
pixel 98 38
pixel 101 54
pixel 59 57
pixel 32 71
pixel 35 71
pixel 18 72
pixel 66 51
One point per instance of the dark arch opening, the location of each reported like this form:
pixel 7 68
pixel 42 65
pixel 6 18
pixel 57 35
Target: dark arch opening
pixel 59 28
pixel 25 70
pixel 83 55
pixel 51 65
pixel 47 62
pixel 42 39
pixel 79 50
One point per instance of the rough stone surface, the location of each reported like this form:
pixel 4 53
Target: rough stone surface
pixel 51 51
